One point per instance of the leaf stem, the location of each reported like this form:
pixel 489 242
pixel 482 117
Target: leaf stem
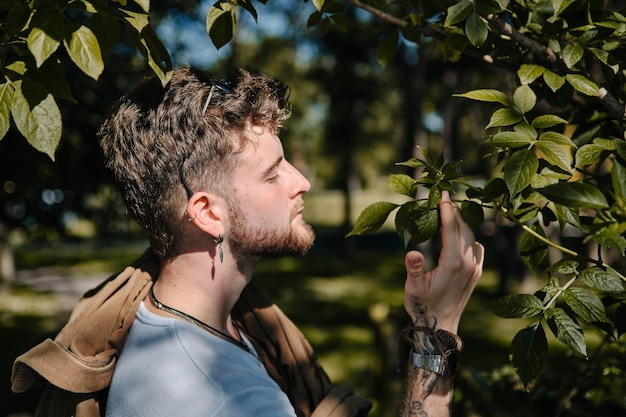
pixel 556 246
pixel 560 291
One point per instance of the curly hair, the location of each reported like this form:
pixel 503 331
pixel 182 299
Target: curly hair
pixel 164 143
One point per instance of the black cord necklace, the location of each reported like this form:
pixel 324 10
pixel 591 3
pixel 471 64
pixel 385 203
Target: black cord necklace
pixel 201 324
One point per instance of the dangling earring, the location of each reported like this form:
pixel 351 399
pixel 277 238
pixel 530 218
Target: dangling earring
pixel 218 241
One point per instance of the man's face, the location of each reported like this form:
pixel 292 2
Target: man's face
pixel 266 208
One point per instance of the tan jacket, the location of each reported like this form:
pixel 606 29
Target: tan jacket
pixel 76 367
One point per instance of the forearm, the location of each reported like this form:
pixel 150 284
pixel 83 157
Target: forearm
pixel 428 390
pixel 427 394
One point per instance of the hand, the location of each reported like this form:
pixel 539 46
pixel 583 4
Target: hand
pixel 437 298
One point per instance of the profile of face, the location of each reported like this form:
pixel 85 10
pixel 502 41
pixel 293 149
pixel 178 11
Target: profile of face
pixel 267 202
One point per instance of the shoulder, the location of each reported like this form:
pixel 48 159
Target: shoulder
pixel 169 365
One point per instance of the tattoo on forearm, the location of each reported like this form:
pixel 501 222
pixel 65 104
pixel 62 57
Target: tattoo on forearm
pixel 416 408
pixel 424 342
pixel 421 382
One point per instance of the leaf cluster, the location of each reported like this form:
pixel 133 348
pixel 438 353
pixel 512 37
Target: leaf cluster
pixel 37 37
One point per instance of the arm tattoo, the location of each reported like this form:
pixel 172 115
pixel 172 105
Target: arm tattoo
pixel 423 342
pixel 421 382
pixel 416 408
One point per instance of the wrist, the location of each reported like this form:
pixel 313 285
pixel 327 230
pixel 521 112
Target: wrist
pixel 435 350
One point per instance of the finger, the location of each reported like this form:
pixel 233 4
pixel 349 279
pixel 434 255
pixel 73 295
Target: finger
pixel 449 226
pixel 414 263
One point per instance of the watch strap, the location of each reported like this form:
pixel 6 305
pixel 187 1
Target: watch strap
pixel 443 365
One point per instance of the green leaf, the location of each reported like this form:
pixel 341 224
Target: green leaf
pixel 434 197
pixel 528 73
pixel 372 218
pixel 412 163
pixel 416 224
pixel 524 98
pixel 247 5
pixel 402 184
pixel 157 56
pixel 387 47
pixel 41 124
pixel 144 4
pixel 314 19
pixel 564 266
pixel 221 23
pixel 138 21
pixel 6 97
pixel 107 29
pixel 547 120
pixel 494 188
pixel 519 170
pixel 560 5
pixel 547 177
pixel 45 36
pixel 476 29
pixel 620 147
pixel 583 85
pixel 319 4
pixel 557 138
pixel 575 194
pixel 618 178
pixel 567 215
pixel 532 249
pixel 492 96
pixel 572 53
pixel 52 78
pixel 603 56
pixel 504 117
pixel 555 154
pixel 517 306
pixel 472 213
pixel 554 81
pixel 458 12
pixel 83 48
pixel 586 304
pixel 590 154
pixel 602 280
pixel 526 129
pixel 529 353
pixel 566 330
pixel 508 140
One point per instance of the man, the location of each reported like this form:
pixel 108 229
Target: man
pixel 202 170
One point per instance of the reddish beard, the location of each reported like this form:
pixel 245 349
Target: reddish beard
pixel 295 238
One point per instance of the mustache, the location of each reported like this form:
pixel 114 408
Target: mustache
pixel 297 208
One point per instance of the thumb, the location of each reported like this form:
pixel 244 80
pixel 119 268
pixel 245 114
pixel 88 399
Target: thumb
pixel 414 263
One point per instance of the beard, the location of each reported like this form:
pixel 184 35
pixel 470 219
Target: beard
pixel 257 240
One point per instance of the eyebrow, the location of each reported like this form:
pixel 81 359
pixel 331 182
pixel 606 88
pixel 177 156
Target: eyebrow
pixel 273 167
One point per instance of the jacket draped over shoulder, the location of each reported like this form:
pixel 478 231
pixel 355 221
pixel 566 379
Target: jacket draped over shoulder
pixel 77 366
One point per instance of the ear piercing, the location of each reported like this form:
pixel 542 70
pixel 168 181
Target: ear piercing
pixel 191 219
pixel 218 241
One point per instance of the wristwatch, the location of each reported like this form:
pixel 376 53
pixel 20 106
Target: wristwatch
pixel 443 365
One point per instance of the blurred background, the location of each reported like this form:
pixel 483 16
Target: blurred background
pixel 63 226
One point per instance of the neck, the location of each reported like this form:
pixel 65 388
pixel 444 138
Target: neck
pixel 194 285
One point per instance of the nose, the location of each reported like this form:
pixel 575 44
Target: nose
pixel 301 184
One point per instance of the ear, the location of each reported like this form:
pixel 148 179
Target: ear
pixel 207 212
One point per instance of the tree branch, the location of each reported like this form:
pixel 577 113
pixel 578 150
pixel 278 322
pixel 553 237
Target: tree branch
pixel 616 109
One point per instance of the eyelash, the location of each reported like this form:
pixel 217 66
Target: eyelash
pixel 273 179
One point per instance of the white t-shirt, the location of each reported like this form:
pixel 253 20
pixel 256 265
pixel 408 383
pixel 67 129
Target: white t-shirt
pixel 170 367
